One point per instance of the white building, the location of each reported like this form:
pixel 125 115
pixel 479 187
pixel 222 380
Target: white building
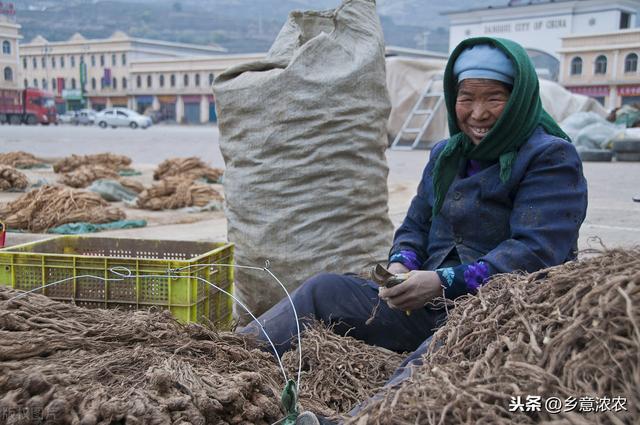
pixel 9 36
pixel 603 66
pixel 171 78
pixel 539 26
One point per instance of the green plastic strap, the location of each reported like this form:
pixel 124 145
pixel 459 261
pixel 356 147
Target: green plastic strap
pixel 127 172
pixel 289 400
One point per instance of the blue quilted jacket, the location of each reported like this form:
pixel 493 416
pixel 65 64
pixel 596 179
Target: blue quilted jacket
pixel 528 223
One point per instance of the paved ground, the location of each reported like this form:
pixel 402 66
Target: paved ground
pixel 612 216
pixel 143 146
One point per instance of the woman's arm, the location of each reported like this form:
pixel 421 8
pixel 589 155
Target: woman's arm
pixel 548 209
pixel 411 240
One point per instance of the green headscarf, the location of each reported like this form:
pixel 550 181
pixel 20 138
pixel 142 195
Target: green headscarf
pixel 522 114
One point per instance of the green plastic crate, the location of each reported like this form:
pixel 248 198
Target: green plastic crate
pixel 34 265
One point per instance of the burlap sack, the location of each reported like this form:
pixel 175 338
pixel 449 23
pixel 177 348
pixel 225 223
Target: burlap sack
pixel 302 133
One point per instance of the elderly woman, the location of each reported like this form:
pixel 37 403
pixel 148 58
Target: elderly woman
pixel 504 193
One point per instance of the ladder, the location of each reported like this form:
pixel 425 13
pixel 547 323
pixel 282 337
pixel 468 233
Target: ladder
pixel 422 110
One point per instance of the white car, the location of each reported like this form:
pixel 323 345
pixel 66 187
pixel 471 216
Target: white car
pixel 84 117
pixel 67 117
pixel 121 117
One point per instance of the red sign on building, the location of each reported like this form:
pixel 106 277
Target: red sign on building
pixel 7 9
pixel 629 90
pixel 590 90
pixel 60 85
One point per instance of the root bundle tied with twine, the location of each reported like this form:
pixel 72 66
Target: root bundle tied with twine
pixel 52 206
pixel 570 331
pixel 84 175
pixel 187 167
pixel 131 184
pixel 108 160
pixel 20 160
pixel 177 192
pixel 12 179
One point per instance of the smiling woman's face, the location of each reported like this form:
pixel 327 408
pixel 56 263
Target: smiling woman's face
pixel 479 104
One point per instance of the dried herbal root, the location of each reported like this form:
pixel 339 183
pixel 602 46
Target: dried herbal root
pixel 84 175
pixel 12 179
pixel 187 167
pixel 108 160
pixel 177 192
pixel 20 160
pixel 338 372
pixel 567 331
pixel 131 184
pixel 75 365
pixel 50 206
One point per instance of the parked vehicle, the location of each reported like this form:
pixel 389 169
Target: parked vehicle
pixel 67 118
pixel 84 117
pixel 121 117
pixel 29 106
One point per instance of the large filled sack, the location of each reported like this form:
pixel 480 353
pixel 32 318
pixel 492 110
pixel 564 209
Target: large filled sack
pixel 302 133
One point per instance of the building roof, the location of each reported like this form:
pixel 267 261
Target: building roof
pixel 509 5
pixel 405 51
pixel 78 38
pixel 515 4
pixel 604 34
pixel 247 56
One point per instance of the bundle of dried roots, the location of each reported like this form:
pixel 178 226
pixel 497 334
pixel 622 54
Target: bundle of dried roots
pixel 64 364
pixel 12 179
pixel 570 332
pixel 108 160
pixel 177 192
pixel 187 167
pixel 131 184
pixel 84 175
pixel 338 372
pixel 102 366
pixel 51 206
pixel 20 160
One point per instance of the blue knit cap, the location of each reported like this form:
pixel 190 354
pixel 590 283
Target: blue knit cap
pixel 484 61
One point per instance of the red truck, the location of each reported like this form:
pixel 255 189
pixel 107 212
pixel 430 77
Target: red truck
pixel 29 106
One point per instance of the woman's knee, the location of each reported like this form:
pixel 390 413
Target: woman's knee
pixel 323 280
pixel 324 286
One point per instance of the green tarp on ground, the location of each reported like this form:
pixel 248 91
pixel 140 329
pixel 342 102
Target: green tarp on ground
pixel 82 227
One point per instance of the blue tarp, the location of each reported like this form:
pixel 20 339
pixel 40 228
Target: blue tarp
pixel 82 227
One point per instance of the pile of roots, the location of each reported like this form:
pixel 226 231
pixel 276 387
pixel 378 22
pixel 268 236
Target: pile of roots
pixel 569 332
pixel 74 365
pixel 52 206
pixel 12 179
pixel 68 365
pixel 187 167
pixel 108 160
pixel 20 160
pixel 131 184
pixel 338 372
pixel 177 192
pixel 84 175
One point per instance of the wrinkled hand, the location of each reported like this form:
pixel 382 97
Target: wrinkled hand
pixel 420 288
pixel 397 268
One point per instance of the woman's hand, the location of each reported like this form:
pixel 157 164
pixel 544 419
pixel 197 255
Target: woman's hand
pixel 420 288
pixel 397 268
